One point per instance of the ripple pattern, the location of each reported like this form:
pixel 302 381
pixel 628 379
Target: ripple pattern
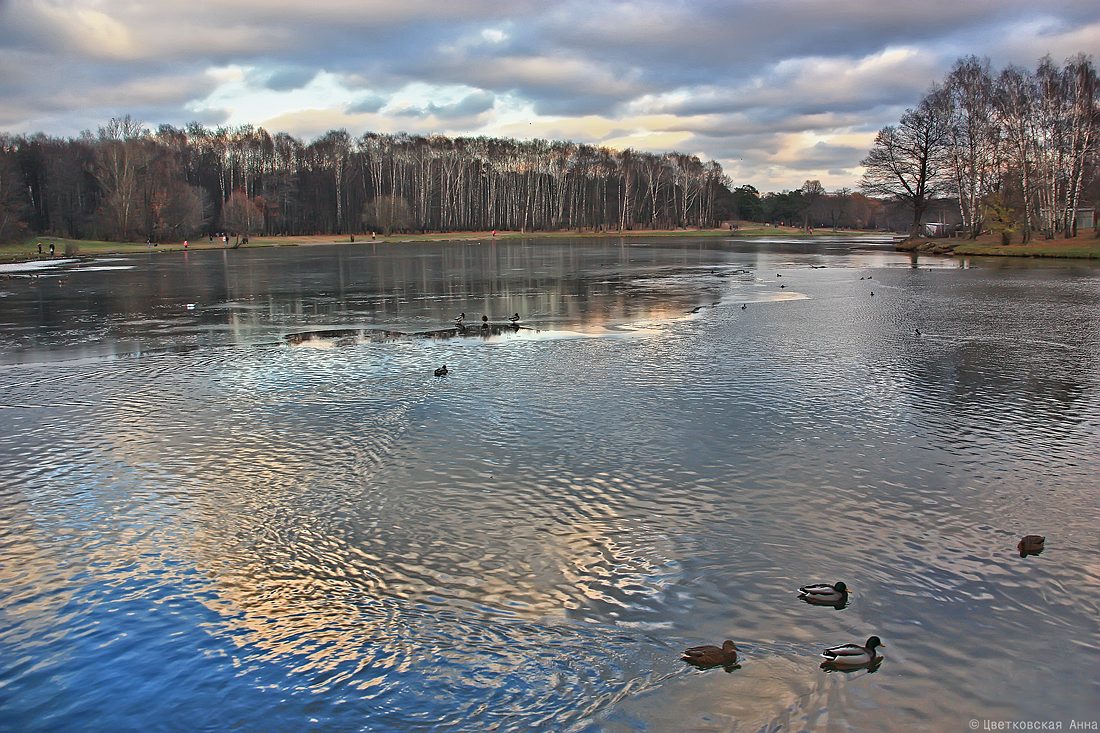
pixel 249 535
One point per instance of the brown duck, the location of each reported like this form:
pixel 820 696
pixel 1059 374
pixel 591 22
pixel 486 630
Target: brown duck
pixel 709 655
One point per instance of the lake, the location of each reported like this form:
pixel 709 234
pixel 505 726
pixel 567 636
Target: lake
pixel 233 496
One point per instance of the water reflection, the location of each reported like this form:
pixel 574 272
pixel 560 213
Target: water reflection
pixel 334 537
pixel 149 302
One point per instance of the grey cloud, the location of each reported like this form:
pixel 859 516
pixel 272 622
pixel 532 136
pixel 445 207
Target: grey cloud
pixel 824 155
pixel 469 106
pixel 368 104
pixel 289 78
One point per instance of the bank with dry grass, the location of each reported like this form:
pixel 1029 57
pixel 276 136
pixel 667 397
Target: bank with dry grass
pixel 1084 246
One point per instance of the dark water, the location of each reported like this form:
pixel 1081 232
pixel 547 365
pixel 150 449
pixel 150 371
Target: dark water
pixel 207 526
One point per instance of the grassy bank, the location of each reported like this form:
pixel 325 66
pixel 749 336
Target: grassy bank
pixel 1084 246
pixel 28 250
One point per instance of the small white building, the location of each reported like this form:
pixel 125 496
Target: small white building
pixel 1086 218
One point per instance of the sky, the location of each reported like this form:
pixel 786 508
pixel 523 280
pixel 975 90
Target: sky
pixel 777 91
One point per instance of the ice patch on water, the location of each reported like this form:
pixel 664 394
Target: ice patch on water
pixel 35 265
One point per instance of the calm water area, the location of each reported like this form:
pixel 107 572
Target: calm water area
pixel 233 496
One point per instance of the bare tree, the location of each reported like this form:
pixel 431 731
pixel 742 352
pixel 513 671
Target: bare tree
pixel 812 194
pixel 242 215
pixel 387 215
pixel 122 156
pixel 12 197
pixel 906 161
pixel 975 138
pixel 1015 97
pixel 1083 122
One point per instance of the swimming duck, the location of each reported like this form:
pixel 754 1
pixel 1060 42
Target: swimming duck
pixel 853 655
pixel 441 371
pixel 1031 544
pixel 514 318
pixel 709 655
pixel 824 594
pixel 743 306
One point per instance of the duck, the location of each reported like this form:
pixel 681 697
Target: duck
pixel 709 655
pixel 1031 544
pixel 441 371
pixel 824 594
pixel 853 655
pixel 744 306
pixel 514 318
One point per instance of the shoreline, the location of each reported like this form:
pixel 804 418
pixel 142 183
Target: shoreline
pixel 1084 246
pixel 28 249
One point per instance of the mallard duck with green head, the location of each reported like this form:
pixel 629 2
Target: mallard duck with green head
pixel 851 656
pixel 824 594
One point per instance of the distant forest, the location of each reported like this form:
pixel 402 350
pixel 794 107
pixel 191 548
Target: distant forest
pixel 127 183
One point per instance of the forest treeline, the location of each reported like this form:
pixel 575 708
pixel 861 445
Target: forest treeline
pixel 127 183
pixel 1016 149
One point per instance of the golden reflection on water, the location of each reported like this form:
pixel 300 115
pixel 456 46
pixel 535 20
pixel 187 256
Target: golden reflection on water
pixel 289 579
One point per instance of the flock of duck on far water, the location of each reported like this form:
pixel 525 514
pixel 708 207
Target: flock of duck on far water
pixel 513 321
pixel 460 326
pixel 843 657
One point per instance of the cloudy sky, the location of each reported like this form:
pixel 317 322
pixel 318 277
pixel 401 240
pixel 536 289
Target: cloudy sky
pixel 778 91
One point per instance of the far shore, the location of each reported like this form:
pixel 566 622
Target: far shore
pixel 1085 246
pixel 28 250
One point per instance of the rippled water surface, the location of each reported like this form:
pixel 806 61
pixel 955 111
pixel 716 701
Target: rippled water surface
pixel 233 496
